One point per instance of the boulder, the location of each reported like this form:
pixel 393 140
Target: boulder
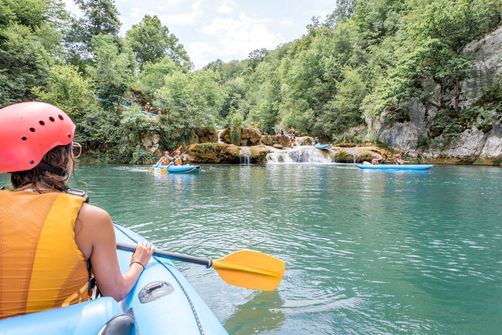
pixel 259 153
pixel 304 140
pixel 272 140
pixel 241 136
pixel 204 135
pixel 214 153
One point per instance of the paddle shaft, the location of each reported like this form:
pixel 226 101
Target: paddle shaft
pixel 171 255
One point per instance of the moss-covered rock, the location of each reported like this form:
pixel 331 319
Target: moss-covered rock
pixel 259 154
pixel 214 153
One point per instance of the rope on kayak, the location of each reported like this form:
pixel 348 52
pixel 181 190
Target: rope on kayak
pixel 192 306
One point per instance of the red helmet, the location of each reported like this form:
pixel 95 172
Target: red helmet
pixel 28 131
pixel 398 155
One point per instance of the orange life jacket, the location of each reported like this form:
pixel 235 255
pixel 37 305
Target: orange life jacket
pixel 41 266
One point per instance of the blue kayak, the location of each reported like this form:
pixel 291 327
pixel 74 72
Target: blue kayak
pixel 162 302
pixel 322 146
pixel 176 168
pixel 394 167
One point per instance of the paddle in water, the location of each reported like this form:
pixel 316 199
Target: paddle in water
pixel 244 268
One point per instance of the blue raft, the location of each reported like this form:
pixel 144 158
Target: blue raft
pixel 395 167
pixel 162 302
pixel 177 168
pixel 322 146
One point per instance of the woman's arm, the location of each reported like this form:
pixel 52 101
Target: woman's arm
pixel 95 237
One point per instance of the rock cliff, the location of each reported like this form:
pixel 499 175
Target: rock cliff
pixel 477 140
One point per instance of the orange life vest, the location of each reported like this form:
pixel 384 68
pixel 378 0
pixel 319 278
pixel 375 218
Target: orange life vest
pixel 41 266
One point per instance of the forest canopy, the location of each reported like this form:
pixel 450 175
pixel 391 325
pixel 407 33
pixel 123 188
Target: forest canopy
pixel 367 56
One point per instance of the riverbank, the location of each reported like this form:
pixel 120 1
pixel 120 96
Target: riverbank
pixel 223 153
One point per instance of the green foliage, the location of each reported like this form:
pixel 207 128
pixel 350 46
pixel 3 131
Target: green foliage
pixel 152 76
pixel 191 100
pixel 113 72
pixel 235 135
pixel 101 17
pixel 151 42
pixel 237 120
pixel 24 63
pixel 68 90
pixel 367 57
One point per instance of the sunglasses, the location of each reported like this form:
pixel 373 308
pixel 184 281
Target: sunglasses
pixel 76 149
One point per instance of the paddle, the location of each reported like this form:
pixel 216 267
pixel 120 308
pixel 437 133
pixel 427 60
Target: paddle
pixel 244 268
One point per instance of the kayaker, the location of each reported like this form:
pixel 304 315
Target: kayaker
pixel 398 160
pixel 54 246
pixel 166 159
pixel 376 159
pixel 179 159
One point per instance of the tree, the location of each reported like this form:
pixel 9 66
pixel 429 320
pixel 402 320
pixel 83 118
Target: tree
pixel 113 70
pixel 191 101
pixel 24 59
pixel 68 90
pixel 100 17
pixel 151 41
pixel 152 77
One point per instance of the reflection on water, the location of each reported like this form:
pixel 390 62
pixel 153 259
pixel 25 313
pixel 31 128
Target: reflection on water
pixel 261 313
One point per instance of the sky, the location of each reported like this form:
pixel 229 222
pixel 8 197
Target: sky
pixel 224 29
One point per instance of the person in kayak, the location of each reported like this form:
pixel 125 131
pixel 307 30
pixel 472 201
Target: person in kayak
pixel 398 159
pixel 53 245
pixel 179 159
pixel 166 159
pixel 376 159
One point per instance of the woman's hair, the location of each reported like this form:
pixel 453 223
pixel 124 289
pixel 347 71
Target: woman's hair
pixel 58 158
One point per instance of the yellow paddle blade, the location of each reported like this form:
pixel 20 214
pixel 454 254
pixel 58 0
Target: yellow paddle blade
pixel 163 171
pixel 251 269
pixel 150 170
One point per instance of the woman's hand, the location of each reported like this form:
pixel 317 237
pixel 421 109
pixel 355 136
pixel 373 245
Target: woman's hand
pixel 143 253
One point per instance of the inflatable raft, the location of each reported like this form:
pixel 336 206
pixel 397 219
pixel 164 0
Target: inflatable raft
pixel 394 167
pixel 162 302
pixel 176 168
pixel 322 146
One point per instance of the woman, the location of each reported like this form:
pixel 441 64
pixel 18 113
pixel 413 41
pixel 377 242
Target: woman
pixel 179 159
pixel 52 243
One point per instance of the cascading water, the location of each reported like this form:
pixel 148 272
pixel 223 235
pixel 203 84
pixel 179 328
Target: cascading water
pixel 219 136
pixel 245 155
pixel 301 154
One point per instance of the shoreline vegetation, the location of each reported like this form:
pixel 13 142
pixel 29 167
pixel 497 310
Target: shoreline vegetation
pixel 420 77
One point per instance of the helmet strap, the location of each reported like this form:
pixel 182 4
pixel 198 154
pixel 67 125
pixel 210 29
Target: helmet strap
pixel 55 170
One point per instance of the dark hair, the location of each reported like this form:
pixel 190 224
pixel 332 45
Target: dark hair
pixel 58 157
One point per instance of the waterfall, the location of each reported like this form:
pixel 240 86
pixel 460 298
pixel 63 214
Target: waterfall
pixel 219 136
pixel 301 154
pixel 245 155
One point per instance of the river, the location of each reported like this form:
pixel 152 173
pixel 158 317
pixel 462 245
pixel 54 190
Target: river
pixel 367 252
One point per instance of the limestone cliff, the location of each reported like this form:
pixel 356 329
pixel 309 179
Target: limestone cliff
pixel 477 138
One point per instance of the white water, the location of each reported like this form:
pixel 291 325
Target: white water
pixel 219 136
pixel 300 154
pixel 245 155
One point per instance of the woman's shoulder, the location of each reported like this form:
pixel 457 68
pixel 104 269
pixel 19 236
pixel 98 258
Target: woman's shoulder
pixel 94 215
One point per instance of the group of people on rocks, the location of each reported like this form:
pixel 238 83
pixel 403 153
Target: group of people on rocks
pixel 291 133
pixel 149 109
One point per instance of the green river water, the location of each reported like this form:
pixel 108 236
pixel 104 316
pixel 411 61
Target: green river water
pixel 367 252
